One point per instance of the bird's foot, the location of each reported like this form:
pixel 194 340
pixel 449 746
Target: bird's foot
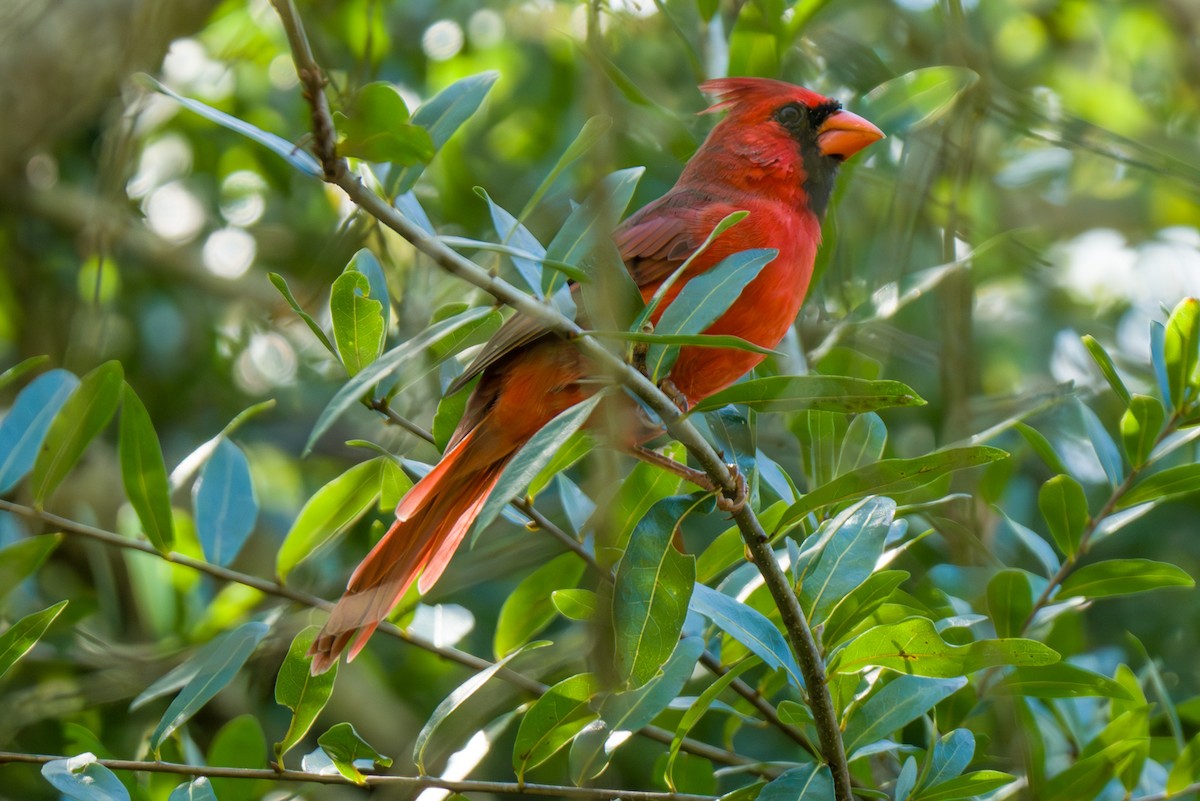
pixel 668 388
pixel 740 493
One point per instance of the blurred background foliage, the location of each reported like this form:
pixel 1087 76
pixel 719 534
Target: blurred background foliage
pixel 1042 154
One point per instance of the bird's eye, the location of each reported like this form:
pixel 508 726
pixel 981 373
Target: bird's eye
pixel 790 115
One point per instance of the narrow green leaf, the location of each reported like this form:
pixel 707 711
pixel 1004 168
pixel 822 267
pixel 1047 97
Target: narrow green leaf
pixel 1087 777
pixel 449 412
pixel 528 609
pixel 85 413
pixel 895 705
pixel 1141 424
pixel 511 232
pixel 1041 446
pixel 28 420
pixel 226 509
pixel 822 392
pixel 553 721
pixel 1061 680
pixel 749 627
pixel 1064 506
pixel 971 785
pixel 1186 770
pixel 196 790
pixel 82 778
pixel 21 636
pixel 1102 443
pixel 807 783
pixel 1123 577
pixel 577 446
pixel 951 755
pixel 1165 485
pixel 575 604
pixel 889 477
pixel 728 548
pixel 593 220
pixel 1181 350
pixel 863 444
pixel 19 369
pixel 861 603
pixel 847 555
pixel 21 559
pixel 344 746
pixel 143 472
pixel 300 691
pixel 698 340
pixel 651 592
pixel 696 711
pixel 1107 368
pixel 645 486
pixel 280 284
pixel 917 98
pixel 459 697
pixel 592 132
pixel 212 675
pixel 329 512
pixel 357 321
pixel 1010 601
pixel 1158 338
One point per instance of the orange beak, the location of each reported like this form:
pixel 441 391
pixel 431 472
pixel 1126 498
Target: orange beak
pixel 844 134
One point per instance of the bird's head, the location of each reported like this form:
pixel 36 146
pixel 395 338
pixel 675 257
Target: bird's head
pixel 782 131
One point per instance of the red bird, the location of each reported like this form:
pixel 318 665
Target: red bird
pixel 775 155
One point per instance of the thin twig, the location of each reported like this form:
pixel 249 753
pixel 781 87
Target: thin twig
pixel 409 782
pixel 800 635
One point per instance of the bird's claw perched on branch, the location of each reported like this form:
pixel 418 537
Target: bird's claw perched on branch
pixel 668 388
pixel 741 492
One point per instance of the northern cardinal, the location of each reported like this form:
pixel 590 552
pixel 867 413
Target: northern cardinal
pixel 775 155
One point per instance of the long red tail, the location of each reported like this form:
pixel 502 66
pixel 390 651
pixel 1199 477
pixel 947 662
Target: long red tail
pixel 431 521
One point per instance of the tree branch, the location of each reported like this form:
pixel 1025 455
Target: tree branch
pixel 408 782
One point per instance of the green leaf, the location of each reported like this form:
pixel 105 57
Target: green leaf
pixel 575 604
pixel 357 321
pixel 226 509
pixel 553 721
pixel 295 155
pixel 651 592
pixel 895 705
pixel 143 472
pixel 696 711
pixel 85 413
pixel 702 301
pixel 698 340
pixel 212 674
pixel 807 783
pixel 331 510
pixel 906 781
pixel 1141 424
pixel 1010 601
pixel 593 220
pixel 449 412
pixel 21 559
pixel 1041 446
pixel 21 636
pixel 82 778
pixel 533 456
pixel 889 477
pixel 860 604
pixel 592 132
pixel 579 445
pixel 1061 680
pixel 377 128
pixel 19 369
pixel 645 486
pixel 364 261
pixel 1165 485
pixel 300 691
pixel 728 548
pixel 1123 577
pixel 511 232
pixel 863 444
pixel 459 697
pixel 1186 770
pixel 951 755
pixel 824 392
pixel 1087 777
pixel 846 555
pixel 1064 506
pixel 344 746
pixel 441 116
pixel 196 790
pixel 529 608
pixel 1181 350
pixel 1102 443
pixel 240 743
pixel 749 627
pixel 1107 368
pixel 28 421
pixel 917 98
pixel 354 389
pixel 971 785
pixel 280 284
pixel 915 647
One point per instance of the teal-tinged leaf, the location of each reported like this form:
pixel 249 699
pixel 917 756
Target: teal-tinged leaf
pixel 1032 542
pixel 895 705
pixel 1158 337
pixel 364 261
pixel 459 697
pixel 1107 368
pixel 293 154
pixel 226 509
pixel 592 132
pixel 593 220
pixel 1010 601
pixel 441 116
pixel 533 456
pixel 575 604
pixel 376 128
pixel 971 785
pixel 553 721
pixel 511 232
pixel 823 392
pixel 85 413
pixel 25 426
pixel 951 755
pixel 174 679
pixel 906 781
pixel 212 675
pixel 889 477
pixel 645 486
pixel 1181 350
pixel 143 472
pixel 345 747
pixel 863 444
pixel 358 325
pixel 1165 485
pixel 528 609
pixel 749 627
pixel 21 560
pixel 82 778
pixel 856 607
pixel 240 743
pixel 19 638
pixel 702 300
pixel 281 284
pixel 847 556
pixel 1123 577
pixel 300 691
pixel 696 711
pixel 915 647
pixel 1064 506
pixel 807 783
pixel 1102 443
pixel 196 790
pixel 329 512
pixel 650 596
pixel 1141 425
pixel 383 367
pixel 917 98
pixel 19 369
pixel 408 205
pixel 1061 680
pixel 1041 446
